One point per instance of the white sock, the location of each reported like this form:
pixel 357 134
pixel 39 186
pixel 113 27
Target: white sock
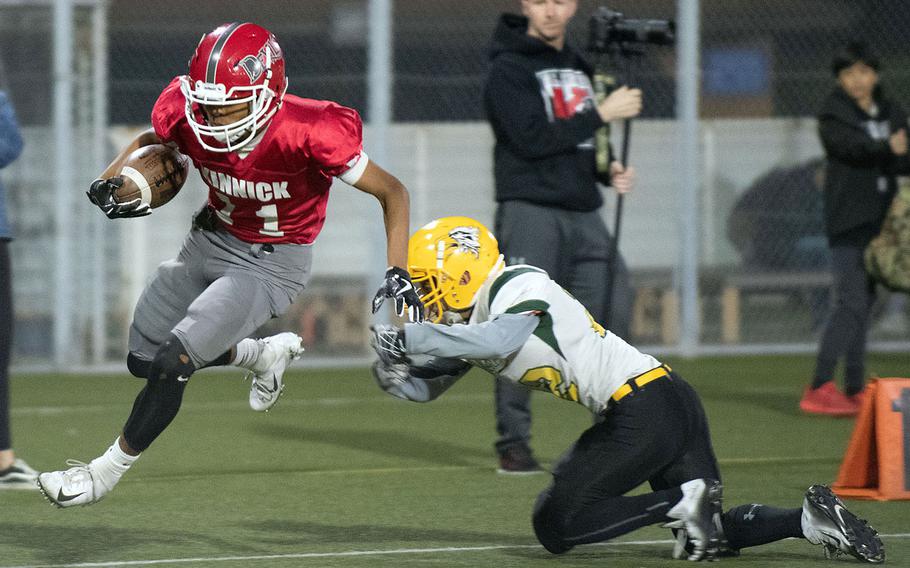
pixel 112 464
pixel 247 353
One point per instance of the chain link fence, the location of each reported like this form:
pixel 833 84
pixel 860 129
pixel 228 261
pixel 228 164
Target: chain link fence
pixel 763 280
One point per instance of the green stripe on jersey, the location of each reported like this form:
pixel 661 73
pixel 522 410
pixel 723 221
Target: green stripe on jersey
pixel 544 330
pixel 505 277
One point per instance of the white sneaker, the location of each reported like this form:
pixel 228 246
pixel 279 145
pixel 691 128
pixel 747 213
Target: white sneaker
pixel 277 353
pixel 827 522
pixel 19 476
pixel 76 486
pixel 695 513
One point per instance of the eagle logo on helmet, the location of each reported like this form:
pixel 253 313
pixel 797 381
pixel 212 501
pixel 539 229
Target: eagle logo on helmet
pixel 467 239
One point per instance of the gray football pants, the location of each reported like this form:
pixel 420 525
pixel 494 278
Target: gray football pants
pixel 217 291
pixel 574 248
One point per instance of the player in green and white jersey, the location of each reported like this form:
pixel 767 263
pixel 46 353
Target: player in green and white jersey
pixel 650 425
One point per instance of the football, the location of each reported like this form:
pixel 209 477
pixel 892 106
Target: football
pixel 153 174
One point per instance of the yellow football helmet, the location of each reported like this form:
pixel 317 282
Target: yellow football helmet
pixel 449 259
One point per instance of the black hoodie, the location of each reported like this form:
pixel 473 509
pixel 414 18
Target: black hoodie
pixel 540 103
pixel 860 179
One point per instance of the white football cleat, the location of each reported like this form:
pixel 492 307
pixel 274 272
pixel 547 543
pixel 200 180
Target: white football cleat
pixel 695 512
pixel 76 486
pixel 277 353
pixel 827 522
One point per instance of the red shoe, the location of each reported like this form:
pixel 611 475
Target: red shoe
pixel 857 399
pixel 827 400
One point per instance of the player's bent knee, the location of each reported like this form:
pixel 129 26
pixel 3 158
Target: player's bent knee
pixel 549 526
pixel 138 367
pixel 171 362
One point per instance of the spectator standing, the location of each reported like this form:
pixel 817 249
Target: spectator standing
pixel 14 473
pixel 864 134
pixel 540 103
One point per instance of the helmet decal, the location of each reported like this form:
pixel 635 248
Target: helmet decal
pixel 256 65
pixel 252 66
pixel 466 239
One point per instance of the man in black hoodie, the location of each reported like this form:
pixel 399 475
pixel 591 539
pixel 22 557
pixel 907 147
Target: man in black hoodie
pixel 540 102
pixel 865 138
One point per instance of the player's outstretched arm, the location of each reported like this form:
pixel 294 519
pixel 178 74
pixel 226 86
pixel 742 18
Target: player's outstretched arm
pixel 393 197
pixel 419 383
pixel 497 338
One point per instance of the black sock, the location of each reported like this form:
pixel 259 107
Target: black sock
pixel 817 382
pixel 220 361
pixel 754 524
pixel 155 408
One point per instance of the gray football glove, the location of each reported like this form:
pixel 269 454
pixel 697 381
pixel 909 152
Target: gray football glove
pixel 389 376
pixel 388 342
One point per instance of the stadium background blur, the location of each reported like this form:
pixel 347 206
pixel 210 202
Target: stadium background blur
pixel 765 69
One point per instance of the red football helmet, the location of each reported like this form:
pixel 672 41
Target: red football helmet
pixel 236 63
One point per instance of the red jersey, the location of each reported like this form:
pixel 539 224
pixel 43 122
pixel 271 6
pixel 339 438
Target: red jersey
pixel 278 192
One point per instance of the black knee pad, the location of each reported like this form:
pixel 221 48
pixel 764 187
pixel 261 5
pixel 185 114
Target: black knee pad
pixel 138 367
pixel 171 362
pixel 548 526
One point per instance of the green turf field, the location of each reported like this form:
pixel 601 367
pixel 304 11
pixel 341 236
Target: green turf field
pixel 340 474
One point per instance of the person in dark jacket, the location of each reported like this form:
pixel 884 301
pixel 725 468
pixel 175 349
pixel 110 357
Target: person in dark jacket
pixel 540 103
pixel 14 472
pixel 864 134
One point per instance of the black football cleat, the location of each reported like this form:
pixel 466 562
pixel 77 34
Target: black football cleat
pixel 827 521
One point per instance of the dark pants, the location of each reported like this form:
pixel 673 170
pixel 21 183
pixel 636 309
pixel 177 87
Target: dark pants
pixel 6 341
pixel 659 435
pixel 574 248
pixel 845 331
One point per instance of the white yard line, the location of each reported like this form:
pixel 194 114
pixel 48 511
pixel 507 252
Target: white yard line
pixel 351 553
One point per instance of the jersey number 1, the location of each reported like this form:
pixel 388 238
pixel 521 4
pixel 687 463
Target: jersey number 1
pixel 268 213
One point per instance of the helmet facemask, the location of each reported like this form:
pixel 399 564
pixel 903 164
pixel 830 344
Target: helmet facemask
pixel 433 289
pixel 237 134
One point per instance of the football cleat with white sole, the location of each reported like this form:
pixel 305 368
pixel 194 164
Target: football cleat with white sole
pixel 276 354
pixel 695 514
pixel 18 476
pixel 684 546
pixel 76 486
pixel 827 521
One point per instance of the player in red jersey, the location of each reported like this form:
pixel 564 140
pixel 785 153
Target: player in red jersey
pixel 268 160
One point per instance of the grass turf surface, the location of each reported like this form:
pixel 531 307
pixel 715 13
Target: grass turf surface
pixel 340 474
